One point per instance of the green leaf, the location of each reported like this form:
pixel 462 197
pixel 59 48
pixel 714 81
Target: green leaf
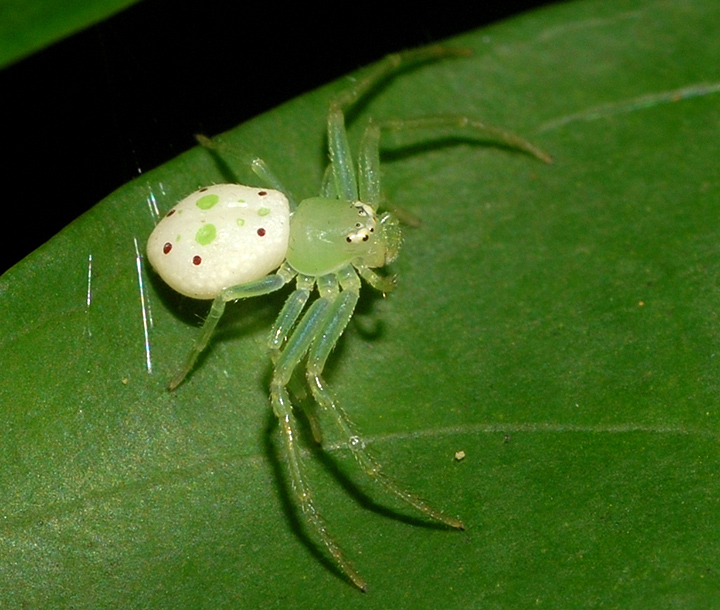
pixel 557 323
pixel 30 25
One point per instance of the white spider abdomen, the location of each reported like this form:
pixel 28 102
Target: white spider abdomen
pixel 220 236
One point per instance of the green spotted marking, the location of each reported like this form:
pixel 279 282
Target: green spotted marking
pixel 206 234
pixel 240 222
pixel 207 201
pixel 263 211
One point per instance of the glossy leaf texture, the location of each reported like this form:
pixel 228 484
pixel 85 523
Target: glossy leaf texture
pixel 557 324
pixel 30 25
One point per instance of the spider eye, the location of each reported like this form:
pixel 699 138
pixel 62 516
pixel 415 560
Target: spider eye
pixel 359 236
pixel 364 209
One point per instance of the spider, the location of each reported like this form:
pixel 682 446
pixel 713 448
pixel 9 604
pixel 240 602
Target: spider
pixel 227 242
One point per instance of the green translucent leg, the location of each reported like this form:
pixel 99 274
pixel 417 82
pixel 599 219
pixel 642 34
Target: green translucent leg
pixel 308 329
pixel 382 283
pixel 389 66
pixel 466 124
pixel 284 324
pixel 366 186
pixel 340 313
pixel 259 167
pixel 291 311
pixel 345 182
pixel 369 165
pixel 301 491
pixel 340 156
pixel 268 284
pixel 327 186
pixel 369 153
pixel 369 176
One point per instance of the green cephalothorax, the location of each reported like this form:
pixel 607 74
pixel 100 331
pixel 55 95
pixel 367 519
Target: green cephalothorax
pixel 228 242
pixel 328 234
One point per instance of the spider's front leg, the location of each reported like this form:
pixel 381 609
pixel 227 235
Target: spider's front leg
pixel 341 311
pixel 318 316
pixel 282 328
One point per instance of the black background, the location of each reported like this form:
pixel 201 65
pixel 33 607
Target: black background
pixel 89 113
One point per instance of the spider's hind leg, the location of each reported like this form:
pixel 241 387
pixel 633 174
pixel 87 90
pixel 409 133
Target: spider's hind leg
pixel 227 155
pixel 270 283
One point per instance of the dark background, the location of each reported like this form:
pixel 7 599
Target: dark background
pixel 91 112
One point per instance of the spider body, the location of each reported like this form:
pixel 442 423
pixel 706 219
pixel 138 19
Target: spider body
pixel 328 234
pixel 325 244
pixel 220 236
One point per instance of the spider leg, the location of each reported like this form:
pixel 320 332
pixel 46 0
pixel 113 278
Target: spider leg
pixel 346 185
pixel 369 165
pixel 340 312
pixel 290 312
pixel 369 153
pixel 259 167
pixel 369 176
pixel 458 122
pixel 382 283
pixel 268 284
pixel 285 322
pixel 286 361
pixel 327 186
pixel 341 162
pixel 390 65
pixel 301 490
pixel 366 186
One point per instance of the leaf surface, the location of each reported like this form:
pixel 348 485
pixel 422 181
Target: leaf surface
pixel 30 25
pixel 557 323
